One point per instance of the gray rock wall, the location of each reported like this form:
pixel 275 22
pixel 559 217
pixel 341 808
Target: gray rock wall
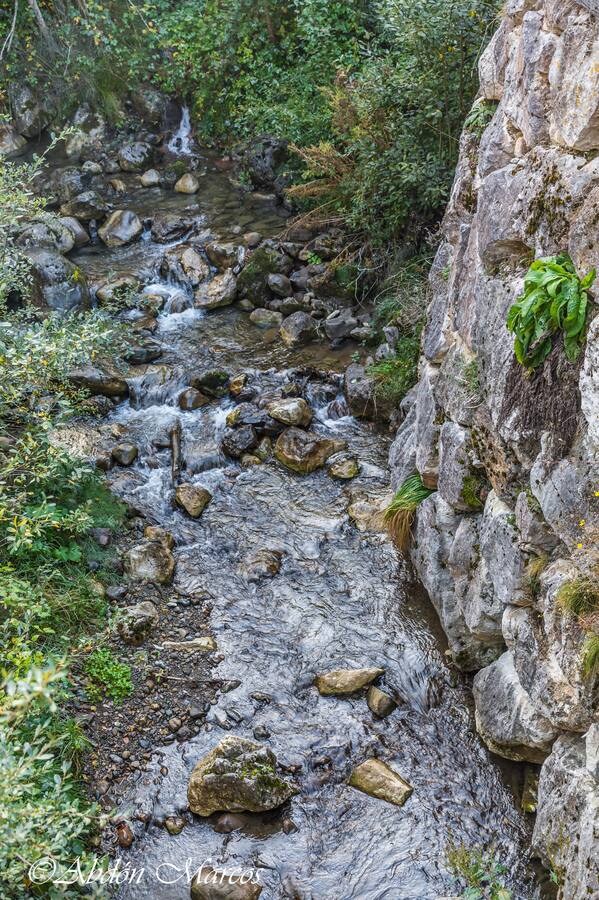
pixel 515 457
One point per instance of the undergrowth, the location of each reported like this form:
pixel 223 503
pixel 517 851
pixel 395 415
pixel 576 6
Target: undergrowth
pixel 482 874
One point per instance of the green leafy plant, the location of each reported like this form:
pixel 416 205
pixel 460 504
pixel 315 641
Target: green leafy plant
pixel 480 116
pixel 554 300
pixel 395 376
pixel 399 515
pixel 108 676
pixel 482 874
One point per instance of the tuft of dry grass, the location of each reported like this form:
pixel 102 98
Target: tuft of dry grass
pixel 399 515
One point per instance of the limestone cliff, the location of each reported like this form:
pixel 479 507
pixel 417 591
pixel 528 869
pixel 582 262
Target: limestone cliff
pixel 514 457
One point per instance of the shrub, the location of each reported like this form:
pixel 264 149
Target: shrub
pixel 399 515
pixel 554 300
pixel 396 375
pixel 108 676
pixel 483 875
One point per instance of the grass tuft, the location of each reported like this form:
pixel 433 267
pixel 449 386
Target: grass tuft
pixel 399 515
pixel 579 596
pixel 590 656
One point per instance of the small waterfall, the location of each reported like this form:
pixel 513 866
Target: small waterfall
pixel 181 143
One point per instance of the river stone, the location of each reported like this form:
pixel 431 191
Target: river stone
pixel 298 329
pixel 359 392
pixel 150 178
pixel 135 157
pixel 137 622
pixel 305 451
pixel 238 384
pixel 343 466
pixel 80 235
pixel 204 644
pixel 193 499
pixel 187 184
pixel 237 775
pixel 57 284
pixel 340 324
pixel 170 226
pixel 96 381
pixel 191 398
pixel 52 234
pixel 118 185
pixel 124 454
pixel 266 318
pixel 238 441
pixel 292 411
pixel 280 285
pixel 262 564
pixel 150 561
pixel 341 682
pixel 380 703
pixel 156 533
pixel 248 414
pixel 85 206
pixel 11 142
pixel 209 884
pixel 223 256
pixel 121 227
pixel 221 291
pixel 379 780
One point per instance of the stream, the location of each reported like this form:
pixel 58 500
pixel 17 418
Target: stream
pixel 343 598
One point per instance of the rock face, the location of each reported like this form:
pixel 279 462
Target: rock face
pixel 238 775
pixel 304 451
pixel 379 780
pixel 514 456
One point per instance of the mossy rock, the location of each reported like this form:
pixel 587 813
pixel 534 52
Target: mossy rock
pixel 252 281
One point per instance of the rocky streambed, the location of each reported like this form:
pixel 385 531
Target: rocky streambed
pixel 255 561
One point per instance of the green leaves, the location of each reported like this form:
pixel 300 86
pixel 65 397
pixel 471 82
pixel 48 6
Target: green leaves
pixel 554 299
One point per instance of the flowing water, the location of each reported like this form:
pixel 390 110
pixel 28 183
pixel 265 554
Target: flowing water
pixel 342 599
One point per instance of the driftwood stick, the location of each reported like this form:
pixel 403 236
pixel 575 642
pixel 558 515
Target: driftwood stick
pixel 175 435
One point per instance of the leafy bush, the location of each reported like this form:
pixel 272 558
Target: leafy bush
pixel 41 812
pixel 396 375
pixel 108 676
pixel 554 300
pixel 399 515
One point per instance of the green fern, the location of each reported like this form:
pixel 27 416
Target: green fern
pixel 554 299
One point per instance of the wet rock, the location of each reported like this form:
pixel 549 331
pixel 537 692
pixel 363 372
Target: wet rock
pixel 137 622
pixel 248 414
pixel 124 454
pixel 168 227
pixel 341 682
pixel 266 318
pixel 252 280
pixel 380 703
pixel 304 451
pixel 193 499
pixel 121 227
pixel 29 114
pixel 223 256
pixel 112 290
pixel 264 449
pixel 248 459
pixel 262 564
pixel 57 284
pixel 118 185
pixel 211 884
pixel 12 144
pixel 343 466
pixel 150 561
pixel 187 184
pixel 174 824
pixel 379 780
pixel 252 239
pixel 124 834
pixel 237 775
pixel 238 441
pixel 145 352
pixel 213 382
pixel 51 234
pixel 155 533
pixel 359 392
pixel 80 235
pixel 191 398
pixel 149 104
pixel 292 411
pixel 85 206
pixel 135 157
pixel 280 285
pixel 186 265
pixel 238 384
pixel 150 178
pixel 96 381
pixel 229 822
pixel 340 324
pixel 221 291
pixel 298 329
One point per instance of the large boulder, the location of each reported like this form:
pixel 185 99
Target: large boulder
pixel 29 114
pixel 304 451
pixel 224 256
pixel 264 161
pixel 121 227
pixel 135 157
pixel 237 775
pixel 11 142
pixel 298 329
pixel 221 291
pixel 150 561
pixel 149 103
pixel 185 264
pixel 58 284
pixel 252 282
pixel 88 135
pixel 50 233
pixel 98 382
